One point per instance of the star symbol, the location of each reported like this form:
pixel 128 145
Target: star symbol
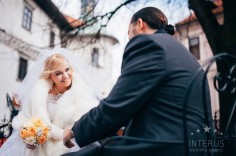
pixel 192 133
pixel 215 131
pixel 207 129
pixel 198 130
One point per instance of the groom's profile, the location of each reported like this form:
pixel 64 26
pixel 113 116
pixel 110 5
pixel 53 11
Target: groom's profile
pixel 147 98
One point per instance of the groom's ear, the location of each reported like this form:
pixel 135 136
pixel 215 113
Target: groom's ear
pixel 140 24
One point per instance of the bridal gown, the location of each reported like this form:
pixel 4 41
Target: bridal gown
pixel 14 146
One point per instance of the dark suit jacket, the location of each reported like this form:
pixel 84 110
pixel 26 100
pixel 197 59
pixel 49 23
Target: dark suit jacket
pixel 148 95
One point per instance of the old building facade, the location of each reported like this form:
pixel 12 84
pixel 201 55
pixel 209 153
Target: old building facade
pixel 29 26
pixel 191 34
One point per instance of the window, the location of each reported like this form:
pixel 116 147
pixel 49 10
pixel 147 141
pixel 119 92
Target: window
pixel 194 47
pixel 22 68
pixel 27 18
pixel 95 57
pixel 87 7
pixel 52 38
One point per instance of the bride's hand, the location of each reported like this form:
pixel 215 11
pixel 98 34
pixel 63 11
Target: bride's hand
pixel 30 146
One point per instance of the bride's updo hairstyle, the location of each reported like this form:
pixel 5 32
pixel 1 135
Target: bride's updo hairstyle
pixel 52 64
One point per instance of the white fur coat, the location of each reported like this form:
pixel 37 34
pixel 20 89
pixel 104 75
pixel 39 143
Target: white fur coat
pixel 71 106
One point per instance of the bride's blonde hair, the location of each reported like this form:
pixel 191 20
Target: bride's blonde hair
pixel 52 64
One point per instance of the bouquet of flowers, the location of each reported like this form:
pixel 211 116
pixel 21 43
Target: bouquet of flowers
pixel 35 132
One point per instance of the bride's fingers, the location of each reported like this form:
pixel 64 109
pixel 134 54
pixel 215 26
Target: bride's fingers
pixel 30 146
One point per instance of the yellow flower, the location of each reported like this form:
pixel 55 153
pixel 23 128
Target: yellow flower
pixel 38 123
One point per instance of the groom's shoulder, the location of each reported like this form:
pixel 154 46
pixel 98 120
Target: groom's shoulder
pixel 140 41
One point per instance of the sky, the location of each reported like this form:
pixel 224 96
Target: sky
pixel 118 25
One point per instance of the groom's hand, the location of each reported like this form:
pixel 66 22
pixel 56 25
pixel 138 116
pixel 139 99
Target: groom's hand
pixel 67 136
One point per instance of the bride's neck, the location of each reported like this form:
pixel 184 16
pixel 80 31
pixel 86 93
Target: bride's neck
pixel 60 90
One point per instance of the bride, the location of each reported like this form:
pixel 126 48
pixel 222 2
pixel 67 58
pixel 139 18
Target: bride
pixel 55 91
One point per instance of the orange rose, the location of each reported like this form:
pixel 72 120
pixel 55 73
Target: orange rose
pixel 32 131
pixel 23 133
pixel 45 131
pixel 42 139
pixel 35 132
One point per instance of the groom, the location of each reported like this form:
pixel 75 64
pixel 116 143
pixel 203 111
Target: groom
pixel 148 95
